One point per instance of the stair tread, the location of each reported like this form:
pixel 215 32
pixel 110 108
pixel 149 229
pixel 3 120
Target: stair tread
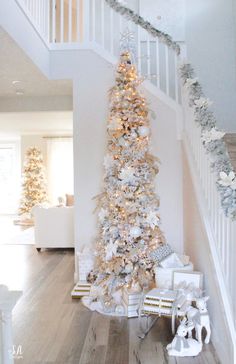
pixel 230 140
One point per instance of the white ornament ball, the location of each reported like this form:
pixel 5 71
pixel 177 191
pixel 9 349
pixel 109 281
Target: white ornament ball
pixel 120 310
pixel 129 268
pixel 135 231
pixel 123 142
pixel 143 131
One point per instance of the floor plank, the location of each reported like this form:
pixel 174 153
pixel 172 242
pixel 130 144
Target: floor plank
pixel 54 329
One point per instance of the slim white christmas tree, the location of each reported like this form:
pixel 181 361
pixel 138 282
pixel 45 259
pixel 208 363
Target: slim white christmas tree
pixel 129 207
pixel 34 183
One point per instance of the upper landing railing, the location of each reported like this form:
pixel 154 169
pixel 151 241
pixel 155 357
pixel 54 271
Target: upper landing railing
pixel 71 24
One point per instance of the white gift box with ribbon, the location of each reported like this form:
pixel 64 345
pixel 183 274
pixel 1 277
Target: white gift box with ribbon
pixel 85 263
pixel 164 276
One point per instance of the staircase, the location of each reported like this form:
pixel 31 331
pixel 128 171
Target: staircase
pixel 61 31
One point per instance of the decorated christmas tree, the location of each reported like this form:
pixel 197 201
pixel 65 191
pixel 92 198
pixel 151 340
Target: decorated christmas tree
pixel 34 184
pixel 128 207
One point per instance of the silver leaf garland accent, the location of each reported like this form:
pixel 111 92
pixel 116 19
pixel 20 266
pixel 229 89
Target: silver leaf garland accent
pixel 216 148
pixel 139 20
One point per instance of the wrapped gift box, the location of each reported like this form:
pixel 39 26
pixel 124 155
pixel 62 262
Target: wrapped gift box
pixel 85 264
pixel 161 253
pixel 164 276
pixel 163 302
pixel 172 261
pixel 131 302
pixel 81 289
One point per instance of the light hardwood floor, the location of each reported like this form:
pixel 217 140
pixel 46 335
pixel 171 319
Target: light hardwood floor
pixel 53 328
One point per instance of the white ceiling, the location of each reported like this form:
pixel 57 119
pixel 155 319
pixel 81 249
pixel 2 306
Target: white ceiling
pixel 15 65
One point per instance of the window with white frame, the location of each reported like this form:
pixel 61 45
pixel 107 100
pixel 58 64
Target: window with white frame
pixel 9 177
pixel 60 172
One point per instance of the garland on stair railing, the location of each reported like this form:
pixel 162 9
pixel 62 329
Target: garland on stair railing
pixel 204 117
pixel 139 20
pixel 212 140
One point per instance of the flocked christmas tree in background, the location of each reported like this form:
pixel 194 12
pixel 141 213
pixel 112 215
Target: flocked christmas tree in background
pixel 34 183
pixel 129 207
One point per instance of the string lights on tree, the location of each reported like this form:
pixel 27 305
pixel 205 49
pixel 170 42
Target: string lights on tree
pixel 34 183
pixel 129 221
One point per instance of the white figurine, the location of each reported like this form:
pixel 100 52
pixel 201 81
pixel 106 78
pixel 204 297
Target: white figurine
pixel 199 317
pixel 180 346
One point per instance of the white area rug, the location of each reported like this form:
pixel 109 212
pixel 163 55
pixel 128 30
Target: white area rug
pixel 12 234
pixel 25 237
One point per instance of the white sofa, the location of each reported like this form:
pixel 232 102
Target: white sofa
pixel 54 227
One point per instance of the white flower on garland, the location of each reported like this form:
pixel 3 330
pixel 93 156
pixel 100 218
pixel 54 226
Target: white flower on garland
pixel 115 124
pixel 228 180
pixel 203 102
pixel 102 215
pixel 108 161
pixel 111 249
pixel 190 81
pixel 211 135
pixel 127 175
pixel 152 219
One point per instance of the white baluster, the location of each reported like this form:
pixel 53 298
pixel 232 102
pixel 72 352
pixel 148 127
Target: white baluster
pixel 93 20
pixel 53 21
pixel 120 24
pixel 227 248
pixel 222 240
pixel 33 10
pixel 111 31
pixel 139 50
pixel 148 58
pixel 102 24
pixel 78 22
pixel 86 21
pixel 48 21
pixel 38 15
pixel 43 17
pixel 176 79
pixel 157 63
pixel 30 6
pixel 167 70
pixel 62 22
pixel 70 21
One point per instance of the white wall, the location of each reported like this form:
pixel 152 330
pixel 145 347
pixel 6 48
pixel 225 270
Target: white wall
pixel 167 148
pixel 90 115
pixel 210 40
pixel 196 245
pixel 166 15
